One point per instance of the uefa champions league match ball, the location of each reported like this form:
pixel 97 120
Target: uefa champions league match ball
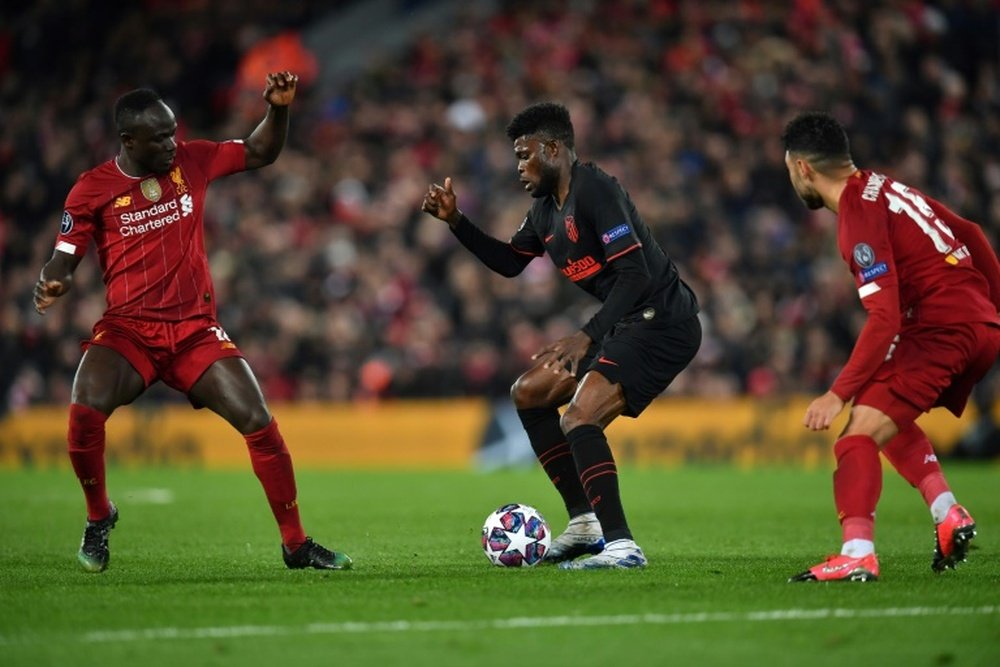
pixel 516 535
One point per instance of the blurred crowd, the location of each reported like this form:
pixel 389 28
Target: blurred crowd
pixel 336 286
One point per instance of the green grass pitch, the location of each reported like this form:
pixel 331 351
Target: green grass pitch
pixel 196 576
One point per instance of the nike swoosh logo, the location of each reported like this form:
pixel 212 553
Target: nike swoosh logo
pixel 605 360
pixel 827 569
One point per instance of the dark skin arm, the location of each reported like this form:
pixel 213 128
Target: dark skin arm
pixel 266 141
pixel 560 357
pixel 55 280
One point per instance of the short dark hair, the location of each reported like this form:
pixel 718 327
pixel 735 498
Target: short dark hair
pixel 131 104
pixel 547 119
pixel 819 138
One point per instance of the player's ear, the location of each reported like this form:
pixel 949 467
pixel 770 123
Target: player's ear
pixel 805 169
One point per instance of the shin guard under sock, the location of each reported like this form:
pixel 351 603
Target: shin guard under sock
pixel 553 452
pixel 86 453
pixel 857 485
pixel 599 477
pixel 913 457
pixel 273 466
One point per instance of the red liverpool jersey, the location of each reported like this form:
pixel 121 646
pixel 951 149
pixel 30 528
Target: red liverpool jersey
pixel 149 231
pixel 912 266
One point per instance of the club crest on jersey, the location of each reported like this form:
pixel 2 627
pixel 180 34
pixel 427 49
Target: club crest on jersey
pixel 178 180
pixel 151 189
pixel 864 256
pixel 614 234
pixel 67 223
pixel 571 231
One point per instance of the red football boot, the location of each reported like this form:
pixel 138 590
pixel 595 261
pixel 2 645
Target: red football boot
pixel 953 537
pixel 842 568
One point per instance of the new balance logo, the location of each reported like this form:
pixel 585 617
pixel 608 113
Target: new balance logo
pixel 930 458
pixel 187 205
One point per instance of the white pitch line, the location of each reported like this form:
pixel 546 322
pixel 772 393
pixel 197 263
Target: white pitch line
pixel 359 627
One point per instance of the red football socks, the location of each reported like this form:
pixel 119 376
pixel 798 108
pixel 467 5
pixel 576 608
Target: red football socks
pixel 86 453
pixel 913 457
pixel 273 466
pixel 857 485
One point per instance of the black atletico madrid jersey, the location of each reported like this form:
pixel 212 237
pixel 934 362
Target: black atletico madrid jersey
pixel 595 227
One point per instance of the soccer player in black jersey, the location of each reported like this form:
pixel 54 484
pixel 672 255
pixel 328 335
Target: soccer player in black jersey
pixel 645 333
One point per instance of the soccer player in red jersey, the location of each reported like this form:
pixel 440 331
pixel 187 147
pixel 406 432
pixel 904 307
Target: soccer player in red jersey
pixel 144 212
pixel 930 283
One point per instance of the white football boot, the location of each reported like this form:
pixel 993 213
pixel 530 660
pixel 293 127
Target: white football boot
pixel 583 535
pixel 617 555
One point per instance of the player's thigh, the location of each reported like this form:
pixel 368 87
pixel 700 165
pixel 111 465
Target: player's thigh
pixel 106 380
pixel 870 421
pixel 541 387
pixel 229 388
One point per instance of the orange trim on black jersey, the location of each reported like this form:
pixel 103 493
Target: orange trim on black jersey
pixel 524 252
pixel 626 250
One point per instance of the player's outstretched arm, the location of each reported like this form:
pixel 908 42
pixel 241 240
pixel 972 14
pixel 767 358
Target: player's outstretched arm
pixel 55 280
pixel 266 141
pixel 440 201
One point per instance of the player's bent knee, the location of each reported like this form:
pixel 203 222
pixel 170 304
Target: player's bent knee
pixel 252 420
pixel 531 390
pixel 101 400
pixel 866 420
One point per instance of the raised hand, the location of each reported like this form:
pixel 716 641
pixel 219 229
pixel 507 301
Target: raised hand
pixel 440 201
pixel 280 88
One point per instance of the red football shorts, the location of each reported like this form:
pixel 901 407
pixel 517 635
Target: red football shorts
pixel 932 367
pixel 176 352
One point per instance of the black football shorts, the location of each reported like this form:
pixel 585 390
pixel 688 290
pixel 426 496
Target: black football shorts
pixel 643 356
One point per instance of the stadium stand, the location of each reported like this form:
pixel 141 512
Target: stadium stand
pixel 338 288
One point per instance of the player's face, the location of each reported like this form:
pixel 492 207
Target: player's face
pixel 806 192
pixel 151 143
pixel 536 169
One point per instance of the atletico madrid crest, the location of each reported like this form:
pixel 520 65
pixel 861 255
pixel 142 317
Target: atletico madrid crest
pixel 571 231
